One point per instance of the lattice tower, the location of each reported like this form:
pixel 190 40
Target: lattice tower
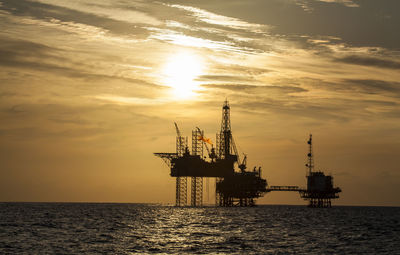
pixel 181 182
pixel 197 182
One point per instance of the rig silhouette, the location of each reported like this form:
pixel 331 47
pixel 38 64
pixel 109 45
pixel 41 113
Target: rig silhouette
pixel 233 188
pixel 320 189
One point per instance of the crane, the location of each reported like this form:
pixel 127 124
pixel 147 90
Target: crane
pixel 181 144
pixel 178 133
pixel 243 165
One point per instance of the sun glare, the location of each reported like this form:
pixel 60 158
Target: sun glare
pixel 180 73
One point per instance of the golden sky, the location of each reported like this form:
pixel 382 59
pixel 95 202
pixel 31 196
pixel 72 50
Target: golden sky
pixel 90 89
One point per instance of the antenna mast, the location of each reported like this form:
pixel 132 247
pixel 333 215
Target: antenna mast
pixel 310 162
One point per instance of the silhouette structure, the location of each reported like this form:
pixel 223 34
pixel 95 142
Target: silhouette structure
pixel 233 188
pixel 320 190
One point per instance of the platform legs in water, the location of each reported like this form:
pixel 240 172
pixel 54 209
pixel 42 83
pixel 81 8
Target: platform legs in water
pixel 320 203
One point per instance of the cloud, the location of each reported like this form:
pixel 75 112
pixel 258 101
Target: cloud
pixel 12 49
pixel 374 86
pixel 178 38
pixel 83 121
pixel 309 6
pixel 236 87
pixel 347 3
pixel 304 4
pixel 370 61
pixel 132 100
pixel 316 110
pixel 82 20
pixel 85 31
pixel 108 11
pixel 31 55
pixel 22 54
pixel 292 58
pixel 241 69
pixel 215 19
pixel 256 88
pixel 225 78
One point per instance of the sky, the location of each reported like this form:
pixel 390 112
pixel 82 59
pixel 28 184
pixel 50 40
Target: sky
pixel 89 90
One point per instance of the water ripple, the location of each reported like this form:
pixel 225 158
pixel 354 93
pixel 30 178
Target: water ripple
pixel 67 228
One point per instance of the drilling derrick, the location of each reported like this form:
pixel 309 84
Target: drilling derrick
pixel 225 134
pixel 223 139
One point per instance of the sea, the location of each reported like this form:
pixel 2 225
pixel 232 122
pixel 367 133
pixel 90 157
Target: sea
pixel 107 228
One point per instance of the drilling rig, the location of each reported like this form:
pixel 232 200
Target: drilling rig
pixel 233 188
pixel 238 187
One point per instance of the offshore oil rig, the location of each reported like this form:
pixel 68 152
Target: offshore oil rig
pixel 233 188
pixel 320 189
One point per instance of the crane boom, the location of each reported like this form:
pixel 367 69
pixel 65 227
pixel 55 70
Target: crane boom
pixel 235 149
pixel 178 133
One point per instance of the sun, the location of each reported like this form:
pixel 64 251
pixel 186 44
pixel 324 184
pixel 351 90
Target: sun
pixel 180 73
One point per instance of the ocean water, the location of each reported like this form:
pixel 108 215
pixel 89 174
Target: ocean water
pixel 86 228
